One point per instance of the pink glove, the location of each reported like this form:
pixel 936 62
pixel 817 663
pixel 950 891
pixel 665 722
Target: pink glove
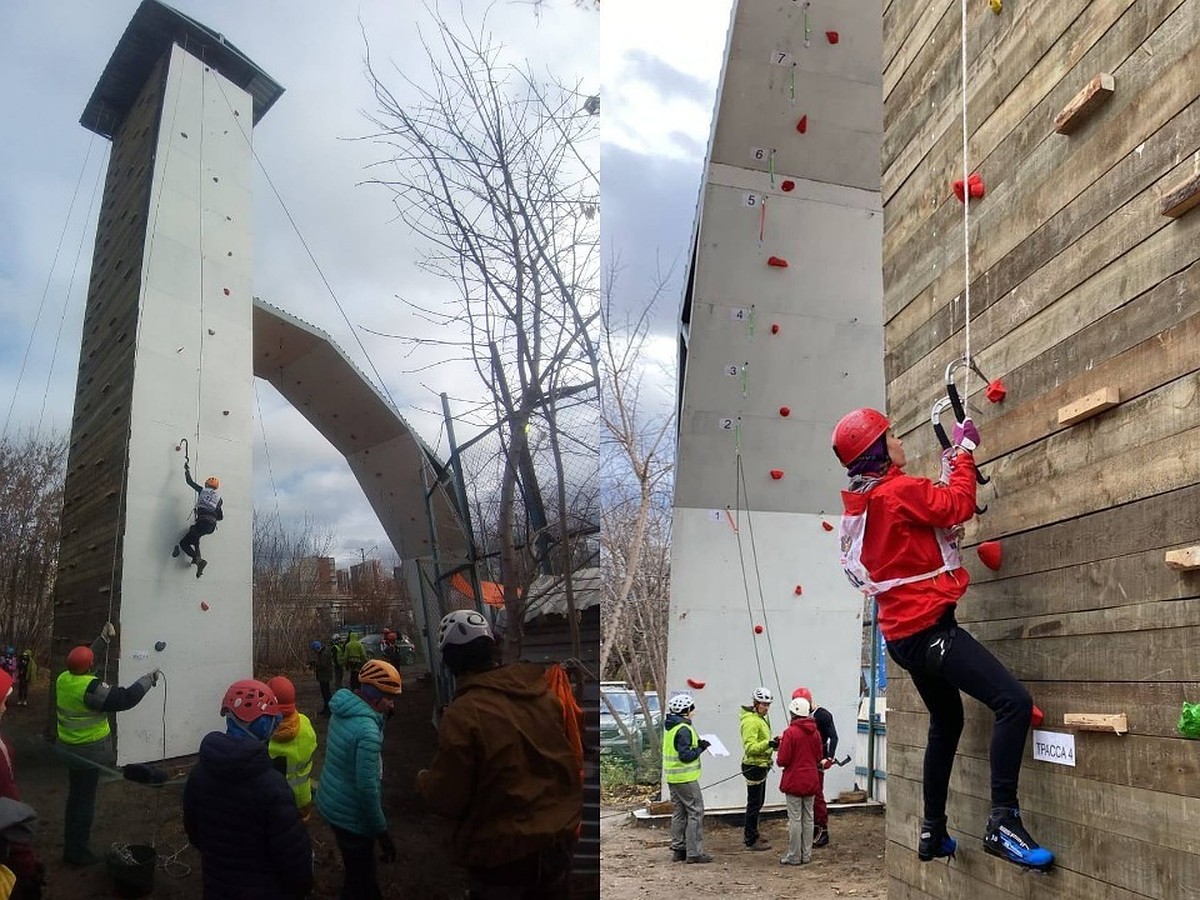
pixel 966 435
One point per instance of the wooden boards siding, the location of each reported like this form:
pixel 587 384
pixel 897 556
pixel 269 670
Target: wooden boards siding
pixel 1080 286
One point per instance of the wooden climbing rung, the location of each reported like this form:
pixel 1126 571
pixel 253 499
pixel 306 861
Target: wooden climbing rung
pixel 1182 197
pixel 1083 104
pixel 1114 722
pixel 1184 559
pixel 1086 407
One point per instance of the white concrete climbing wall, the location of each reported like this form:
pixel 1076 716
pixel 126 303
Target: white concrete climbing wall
pixel 783 334
pixel 193 378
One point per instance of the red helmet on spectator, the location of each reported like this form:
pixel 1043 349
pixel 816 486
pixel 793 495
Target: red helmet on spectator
pixel 248 699
pixel 285 693
pixel 803 692
pixel 856 432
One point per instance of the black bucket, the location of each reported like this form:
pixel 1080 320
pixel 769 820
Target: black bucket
pixel 132 870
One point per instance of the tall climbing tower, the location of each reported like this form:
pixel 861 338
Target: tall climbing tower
pixel 780 334
pixel 166 354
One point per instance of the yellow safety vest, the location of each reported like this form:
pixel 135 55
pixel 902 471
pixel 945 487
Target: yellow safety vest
pixel 77 724
pixel 299 755
pixel 676 770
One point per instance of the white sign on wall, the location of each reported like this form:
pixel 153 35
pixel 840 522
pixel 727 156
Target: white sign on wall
pixel 1054 747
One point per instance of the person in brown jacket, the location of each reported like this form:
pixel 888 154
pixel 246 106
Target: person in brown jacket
pixel 504 771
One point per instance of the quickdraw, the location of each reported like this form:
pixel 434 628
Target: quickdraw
pixel 954 400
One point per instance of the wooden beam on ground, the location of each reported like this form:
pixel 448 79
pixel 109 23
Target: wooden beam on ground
pixel 1117 723
pixel 1184 559
pixel 1088 406
pixel 1083 104
pixel 1182 197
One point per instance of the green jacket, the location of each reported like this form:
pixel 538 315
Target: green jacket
pixel 355 653
pixel 756 737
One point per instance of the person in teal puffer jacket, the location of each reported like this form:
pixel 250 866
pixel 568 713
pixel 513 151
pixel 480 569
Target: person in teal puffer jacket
pixel 351 795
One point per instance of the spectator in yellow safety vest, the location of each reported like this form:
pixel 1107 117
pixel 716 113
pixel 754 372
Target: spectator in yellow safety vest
pixel 293 744
pixel 85 738
pixel 681 753
pixel 355 656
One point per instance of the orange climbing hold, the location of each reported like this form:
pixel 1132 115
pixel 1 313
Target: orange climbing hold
pixel 777 262
pixel 990 554
pixel 974 186
pixel 996 391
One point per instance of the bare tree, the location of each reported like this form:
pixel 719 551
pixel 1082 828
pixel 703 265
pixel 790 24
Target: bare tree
pixel 494 168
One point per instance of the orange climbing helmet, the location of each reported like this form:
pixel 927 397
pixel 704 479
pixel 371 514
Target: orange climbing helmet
pixel 856 432
pixel 212 481
pixel 285 693
pixel 380 675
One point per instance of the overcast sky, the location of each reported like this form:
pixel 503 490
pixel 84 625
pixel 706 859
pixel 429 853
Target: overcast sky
pixel 657 64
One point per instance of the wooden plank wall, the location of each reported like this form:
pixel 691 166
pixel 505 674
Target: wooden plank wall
pixel 1078 283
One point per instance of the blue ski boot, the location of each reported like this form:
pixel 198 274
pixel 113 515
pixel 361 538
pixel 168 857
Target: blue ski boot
pixel 1007 838
pixel 935 843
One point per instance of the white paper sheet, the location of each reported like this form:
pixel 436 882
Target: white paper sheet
pixel 715 747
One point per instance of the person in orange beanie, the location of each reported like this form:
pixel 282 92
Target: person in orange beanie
pixel 293 745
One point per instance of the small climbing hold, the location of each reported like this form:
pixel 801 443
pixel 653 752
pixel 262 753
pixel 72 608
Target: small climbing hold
pixel 775 328
pixel 224 412
pixel 178 447
pixel 802 125
pixel 974 186
pixel 777 474
pixel 695 685
pixel 785 411
pixel 160 646
pixel 799 590
pixel 990 554
pixel 758 629
pixel 226 290
pixel 827 526
pixel 777 262
pixel 211 331
pixel 204 606
pixel 996 391
pixel 996 5
pixel 832 36
pixel 788 185
pixel 1038 717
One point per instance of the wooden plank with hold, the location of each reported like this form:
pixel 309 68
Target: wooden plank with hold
pixel 1182 197
pixel 1086 102
pixel 1185 559
pixel 1118 723
pixel 1089 405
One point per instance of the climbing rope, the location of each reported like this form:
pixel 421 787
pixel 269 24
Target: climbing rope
pixel 266 447
pixel 966 205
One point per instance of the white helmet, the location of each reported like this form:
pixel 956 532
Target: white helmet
pixel 461 627
pixel 762 695
pixel 799 707
pixel 680 703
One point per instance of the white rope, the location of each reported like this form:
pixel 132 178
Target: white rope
pixel 966 204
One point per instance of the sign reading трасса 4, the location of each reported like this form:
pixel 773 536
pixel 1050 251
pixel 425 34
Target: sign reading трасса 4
pixel 1053 747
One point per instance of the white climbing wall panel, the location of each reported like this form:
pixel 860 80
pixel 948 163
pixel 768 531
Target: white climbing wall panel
pixel 192 378
pixel 761 339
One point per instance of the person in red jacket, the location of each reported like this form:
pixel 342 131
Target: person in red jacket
pixel 799 756
pixel 829 742
pixel 898 545
pixel 20 857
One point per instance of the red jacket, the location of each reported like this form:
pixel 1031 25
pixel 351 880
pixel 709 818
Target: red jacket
pixel 902 513
pixel 799 755
pixel 21 858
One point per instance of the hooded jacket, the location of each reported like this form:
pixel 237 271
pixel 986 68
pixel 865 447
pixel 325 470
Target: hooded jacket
pixel 241 816
pixel 799 756
pixel 356 653
pixel 902 513
pixel 756 738
pixel 504 773
pixel 351 792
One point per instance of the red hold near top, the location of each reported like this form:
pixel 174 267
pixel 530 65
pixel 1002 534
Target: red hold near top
pixel 802 125
pixel 974 184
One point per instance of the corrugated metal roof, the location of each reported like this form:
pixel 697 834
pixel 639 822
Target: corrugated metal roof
pixel 150 34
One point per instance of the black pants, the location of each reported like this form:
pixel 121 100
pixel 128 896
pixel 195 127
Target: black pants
pixel 23 689
pixel 325 694
pixel 190 542
pixel 755 795
pixel 354 682
pixel 81 807
pixel 337 677
pixel 965 666
pixel 540 876
pixel 358 859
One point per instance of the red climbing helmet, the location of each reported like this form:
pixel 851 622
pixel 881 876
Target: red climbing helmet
pixel 856 432
pixel 80 660
pixel 285 693
pixel 803 692
pixel 247 700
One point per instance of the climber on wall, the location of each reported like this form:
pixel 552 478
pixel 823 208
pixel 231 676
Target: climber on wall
pixel 208 514
pixel 894 546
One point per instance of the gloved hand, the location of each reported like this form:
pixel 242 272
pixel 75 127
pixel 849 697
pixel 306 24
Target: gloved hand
pixel 154 677
pixel 704 745
pixel 827 763
pixel 966 435
pixel 109 631
pixel 774 743
pixel 387 850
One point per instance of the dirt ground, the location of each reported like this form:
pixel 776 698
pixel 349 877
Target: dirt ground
pixel 136 814
pixel 635 860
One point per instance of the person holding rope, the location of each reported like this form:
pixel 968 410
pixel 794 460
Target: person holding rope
pixel 208 514
pixel 896 546
pixel 757 745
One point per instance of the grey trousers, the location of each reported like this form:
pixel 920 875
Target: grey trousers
pixel 800 828
pixel 687 818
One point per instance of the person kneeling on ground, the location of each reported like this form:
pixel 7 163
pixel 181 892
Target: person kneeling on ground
pixel 238 810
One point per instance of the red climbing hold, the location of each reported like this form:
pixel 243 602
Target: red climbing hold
pixel 974 185
pixel 758 629
pixel 826 526
pixel 832 36
pixel 785 411
pixel 775 328
pixel 204 606
pixel 777 262
pixel 799 590
pixel 788 185
pixel 695 685
pixel 802 125
pixel 990 554
pixel 996 391
pixel 1038 717
pixel 777 474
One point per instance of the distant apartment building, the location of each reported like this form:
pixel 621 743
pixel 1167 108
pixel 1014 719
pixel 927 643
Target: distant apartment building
pixel 366 578
pixel 317 576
